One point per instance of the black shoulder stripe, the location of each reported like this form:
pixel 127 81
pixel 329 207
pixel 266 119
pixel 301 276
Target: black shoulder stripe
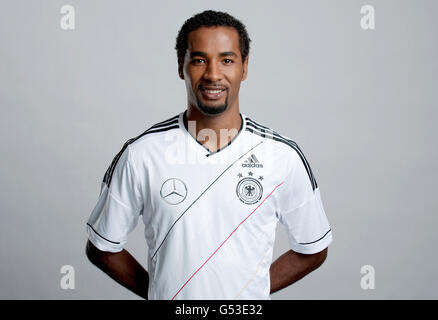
pixel 268 133
pixel 164 124
pixel 305 162
pixel 159 127
pixel 259 125
pixel 261 134
pixel 263 129
pixel 165 121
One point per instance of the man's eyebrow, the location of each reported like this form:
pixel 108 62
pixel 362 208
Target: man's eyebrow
pixel 197 53
pixel 222 54
pixel 228 53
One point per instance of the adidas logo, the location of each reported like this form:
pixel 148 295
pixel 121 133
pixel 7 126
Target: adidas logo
pixel 252 162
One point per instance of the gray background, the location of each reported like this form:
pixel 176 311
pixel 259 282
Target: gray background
pixel 361 104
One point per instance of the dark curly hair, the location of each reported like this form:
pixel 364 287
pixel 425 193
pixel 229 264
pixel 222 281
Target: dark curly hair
pixel 210 18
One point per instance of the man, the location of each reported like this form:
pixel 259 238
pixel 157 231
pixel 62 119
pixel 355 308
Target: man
pixel 210 185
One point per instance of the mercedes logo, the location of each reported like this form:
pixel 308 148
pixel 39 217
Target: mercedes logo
pixel 173 191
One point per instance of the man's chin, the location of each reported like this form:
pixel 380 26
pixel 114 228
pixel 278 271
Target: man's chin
pixel 212 109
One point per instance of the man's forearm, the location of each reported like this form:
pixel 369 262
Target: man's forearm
pixel 292 266
pixel 122 267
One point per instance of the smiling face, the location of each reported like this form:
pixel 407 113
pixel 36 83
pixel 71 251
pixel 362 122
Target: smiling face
pixel 213 69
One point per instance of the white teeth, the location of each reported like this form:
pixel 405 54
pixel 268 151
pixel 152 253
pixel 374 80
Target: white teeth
pixel 213 91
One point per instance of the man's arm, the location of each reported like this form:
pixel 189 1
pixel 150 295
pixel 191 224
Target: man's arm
pixel 292 266
pixel 122 267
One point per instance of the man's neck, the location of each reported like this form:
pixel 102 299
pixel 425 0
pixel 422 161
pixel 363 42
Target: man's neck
pixel 224 127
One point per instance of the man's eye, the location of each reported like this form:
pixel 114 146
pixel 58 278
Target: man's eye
pixel 228 61
pixel 197 60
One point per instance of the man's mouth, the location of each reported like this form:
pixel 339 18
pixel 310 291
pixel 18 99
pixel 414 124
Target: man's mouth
pixel 212 93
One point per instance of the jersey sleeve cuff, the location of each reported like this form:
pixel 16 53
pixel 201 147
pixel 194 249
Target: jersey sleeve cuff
pixel 314 247
pixel 101 243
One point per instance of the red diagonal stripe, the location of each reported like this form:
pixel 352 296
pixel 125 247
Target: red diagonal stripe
pixel 225 241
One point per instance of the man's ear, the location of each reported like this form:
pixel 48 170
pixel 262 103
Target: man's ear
pixel 180 70
pixel 245 68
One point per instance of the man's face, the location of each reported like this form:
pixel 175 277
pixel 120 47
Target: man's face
pixel 213 69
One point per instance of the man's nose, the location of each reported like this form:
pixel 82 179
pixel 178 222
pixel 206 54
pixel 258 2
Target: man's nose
pixel 213 72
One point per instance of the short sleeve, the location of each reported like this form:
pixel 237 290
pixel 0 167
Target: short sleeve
pixel 118 207
pixel 301 210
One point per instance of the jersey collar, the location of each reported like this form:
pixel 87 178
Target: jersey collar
pixel 204 149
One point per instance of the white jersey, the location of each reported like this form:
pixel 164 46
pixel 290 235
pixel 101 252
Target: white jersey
pixel 210 217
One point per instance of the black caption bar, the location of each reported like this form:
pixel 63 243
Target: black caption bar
pixel 213 309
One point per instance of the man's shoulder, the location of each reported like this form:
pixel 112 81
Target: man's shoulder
pixel 269 135
pixel 154 132
pixel 149 139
